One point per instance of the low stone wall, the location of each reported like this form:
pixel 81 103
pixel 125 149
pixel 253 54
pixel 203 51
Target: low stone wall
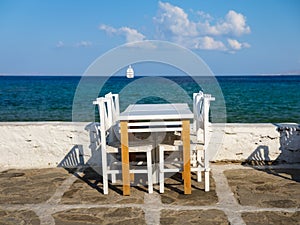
pixel 256 142
pixel 52 144
pixel 42 144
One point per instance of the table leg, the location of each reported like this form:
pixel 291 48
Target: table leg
pixel 125 158
pixel 186 156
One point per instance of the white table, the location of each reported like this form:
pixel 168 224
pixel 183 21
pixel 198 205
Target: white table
pixel 157 112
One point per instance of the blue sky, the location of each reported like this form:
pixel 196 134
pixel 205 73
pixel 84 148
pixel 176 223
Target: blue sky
pixel 231 36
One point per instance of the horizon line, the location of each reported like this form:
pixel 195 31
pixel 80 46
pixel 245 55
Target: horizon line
pixel 79 75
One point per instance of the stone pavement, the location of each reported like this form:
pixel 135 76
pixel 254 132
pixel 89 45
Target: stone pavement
pixel 239 195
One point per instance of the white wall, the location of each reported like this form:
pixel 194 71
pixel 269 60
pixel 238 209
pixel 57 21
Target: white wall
pixel 40 144
pixel 49 144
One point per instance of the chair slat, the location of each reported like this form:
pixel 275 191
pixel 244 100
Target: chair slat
pixel 161 123
pixel 162 129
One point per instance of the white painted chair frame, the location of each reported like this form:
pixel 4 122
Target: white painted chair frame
pixel 199 156
pixel 107 133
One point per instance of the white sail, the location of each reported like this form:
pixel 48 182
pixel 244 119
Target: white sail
pixel 129 72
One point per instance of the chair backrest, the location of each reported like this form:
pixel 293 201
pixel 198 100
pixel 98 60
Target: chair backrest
pixel 201 105
pixel 106 121
pixel 198 102
pixel 104 107
pixel 115 106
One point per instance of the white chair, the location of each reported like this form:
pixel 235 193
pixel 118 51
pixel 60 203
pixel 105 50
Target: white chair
pixel 199 141
pixel 115 112
pixel 110 148
pixel 115 106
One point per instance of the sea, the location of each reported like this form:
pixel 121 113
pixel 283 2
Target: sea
pixel 239 99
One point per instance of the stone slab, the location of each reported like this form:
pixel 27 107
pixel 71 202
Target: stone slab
pixel 104 216
pixel 207 217
pixel 266 187
pixel 275 218
pixel 173 194
pixel 29 186
pixel 18 217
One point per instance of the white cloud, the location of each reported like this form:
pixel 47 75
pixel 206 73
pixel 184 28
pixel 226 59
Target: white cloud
pixel 142 44
pixel 235 24
pixel 130 34
pixel 107 29
pixel 173 24
pixel 246 45
pixel 209 43
pixel 79 44
pixel 204 15
pixel 60 44
pixel 236 45
pixel 172 19
pixel 83 44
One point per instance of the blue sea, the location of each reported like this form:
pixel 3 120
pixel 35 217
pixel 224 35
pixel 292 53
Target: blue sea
pixel 247 99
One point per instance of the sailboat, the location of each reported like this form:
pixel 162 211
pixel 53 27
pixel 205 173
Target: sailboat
pixel 130 72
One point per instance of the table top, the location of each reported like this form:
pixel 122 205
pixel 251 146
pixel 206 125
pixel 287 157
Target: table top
pixel 156 111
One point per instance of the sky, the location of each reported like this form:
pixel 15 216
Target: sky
pixel 233 37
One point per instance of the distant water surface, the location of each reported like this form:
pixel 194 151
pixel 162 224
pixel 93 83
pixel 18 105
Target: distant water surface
pixel 249 99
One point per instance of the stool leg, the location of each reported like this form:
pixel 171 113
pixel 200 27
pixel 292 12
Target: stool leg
pixel 104 173
pixel 199 175
pixel 206 174
pixel 161 170
pixel 113 178
pixel 149 169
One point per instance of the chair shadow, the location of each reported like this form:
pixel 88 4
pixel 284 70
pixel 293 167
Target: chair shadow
pixel 259 157
pixel 88 170
pixel 290 153
pixel 74 163
pixel 175 181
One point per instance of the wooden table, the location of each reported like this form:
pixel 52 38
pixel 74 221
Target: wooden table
pixel 156 112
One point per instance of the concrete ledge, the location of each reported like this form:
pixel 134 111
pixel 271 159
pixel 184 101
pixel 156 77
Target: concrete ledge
pixel 40 144
pixel 50 144
pixel 240 142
